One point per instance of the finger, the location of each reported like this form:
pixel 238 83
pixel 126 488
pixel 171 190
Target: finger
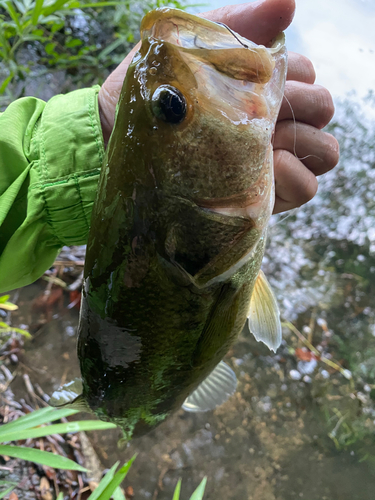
pixel 259 21
pixel 300 68
pixel 294 183
pixel 317 150
pixel 311 104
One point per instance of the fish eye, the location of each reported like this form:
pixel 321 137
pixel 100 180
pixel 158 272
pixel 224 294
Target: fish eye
pixel 168 104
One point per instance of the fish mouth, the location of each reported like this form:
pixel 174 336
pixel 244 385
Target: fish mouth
pixel 214 43
pixel 255 206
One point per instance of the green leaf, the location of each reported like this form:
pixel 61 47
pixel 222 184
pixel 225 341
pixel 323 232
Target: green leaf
pixel 37 417
pixel 4 298
pixel 116 481
pixel 61 496
pixel 104 482
pixel 199 492
pixel 50 48
pixel 70 427
pixel 40 457
pixel 38 33
pixel 176 494
pixel 4 493
pixel 57 26
pixel 8 306
pixel 73 43
pixel 37 11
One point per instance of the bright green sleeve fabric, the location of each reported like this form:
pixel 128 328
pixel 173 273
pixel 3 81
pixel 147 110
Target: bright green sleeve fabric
pixel 50 159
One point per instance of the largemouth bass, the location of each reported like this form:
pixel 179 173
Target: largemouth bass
pixel 179 225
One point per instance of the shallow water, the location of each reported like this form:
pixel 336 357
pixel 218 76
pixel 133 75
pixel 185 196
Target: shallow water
pixel 269 441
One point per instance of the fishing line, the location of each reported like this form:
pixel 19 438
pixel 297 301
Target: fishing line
pixel 295 132
pixel 291 212
pixel 234 34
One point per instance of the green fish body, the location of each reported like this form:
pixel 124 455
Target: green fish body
pixel 178 229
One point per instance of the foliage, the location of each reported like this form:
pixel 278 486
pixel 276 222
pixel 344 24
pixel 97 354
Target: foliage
pixel 29 427
pixel 6 331
pixel 83 39
pixel 33 425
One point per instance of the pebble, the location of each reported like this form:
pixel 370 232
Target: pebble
pixel 295 375
pixel 307 367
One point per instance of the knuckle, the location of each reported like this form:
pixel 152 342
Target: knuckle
pixel 307 69
pixel 325 105
pixel 332 151
pixel 300 68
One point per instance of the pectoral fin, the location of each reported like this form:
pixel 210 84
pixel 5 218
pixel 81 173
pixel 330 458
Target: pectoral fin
pixel 70 396
pixel 264 314
pixel 213 391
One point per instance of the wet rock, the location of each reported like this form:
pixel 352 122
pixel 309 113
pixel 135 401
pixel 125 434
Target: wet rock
pixel 295 375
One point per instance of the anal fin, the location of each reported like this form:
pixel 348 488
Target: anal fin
pixel 213 391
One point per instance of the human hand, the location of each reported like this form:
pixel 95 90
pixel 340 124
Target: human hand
pixel 295 179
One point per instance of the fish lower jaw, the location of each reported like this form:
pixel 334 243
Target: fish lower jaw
pixel 259 212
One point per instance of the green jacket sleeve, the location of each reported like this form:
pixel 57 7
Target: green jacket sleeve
pixel 50 159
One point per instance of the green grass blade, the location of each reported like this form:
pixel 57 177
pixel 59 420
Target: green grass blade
pixel 110 48
pixel 118 494
pixel 13 14
pixel 104 482
pixel 59 4
pixel 40 457
pixel 199 492
pixel 25 333
pixel 176 494
pixel 100 4
pixel 4 493
pixel 4 298
pixel 70 427
pixel 37 417
pixel 116 481
pixel 2 90
pixel 37 11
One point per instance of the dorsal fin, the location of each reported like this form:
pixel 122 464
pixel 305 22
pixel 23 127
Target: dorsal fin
pixel 213 391
pixel 264 314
